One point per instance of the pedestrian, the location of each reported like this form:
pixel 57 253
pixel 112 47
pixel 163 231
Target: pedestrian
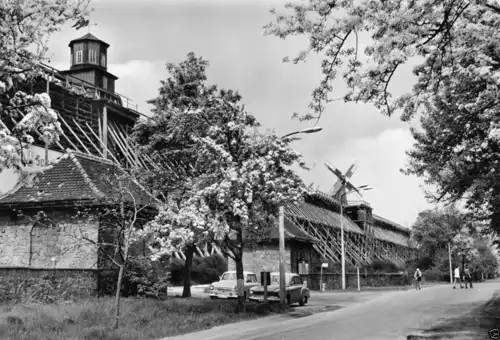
pixel 467 277
pixel 418 279
pixel 457 277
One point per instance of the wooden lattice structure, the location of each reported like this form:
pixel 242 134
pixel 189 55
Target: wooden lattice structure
pixel 366 237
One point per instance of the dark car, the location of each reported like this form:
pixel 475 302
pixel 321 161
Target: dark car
pixel 295 290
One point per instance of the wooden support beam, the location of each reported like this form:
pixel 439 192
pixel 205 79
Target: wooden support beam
pixel 88 138
pixel 138 160
pixel 102 144
pixel 73 133
pixel 120 146
pixel 105 130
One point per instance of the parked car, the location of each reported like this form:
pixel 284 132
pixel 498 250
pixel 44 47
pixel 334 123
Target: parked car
pixel 226 287
pixel 295 290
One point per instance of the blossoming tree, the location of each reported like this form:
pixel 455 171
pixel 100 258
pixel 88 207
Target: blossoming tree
pixel 242 177
pixel 455 47
pixel 25 28
pixel 182 109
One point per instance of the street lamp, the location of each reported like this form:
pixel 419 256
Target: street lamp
pixel 342 247
pixel 308 130
pixel 282 227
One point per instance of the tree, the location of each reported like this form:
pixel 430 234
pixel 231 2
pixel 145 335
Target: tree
pixel 435 229
pixel 456 47
pixel 464 246
pixel 167 138
pixel 243 176
pixel 25 28
pixel 121 214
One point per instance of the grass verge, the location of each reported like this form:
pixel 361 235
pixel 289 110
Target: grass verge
pixel 141 319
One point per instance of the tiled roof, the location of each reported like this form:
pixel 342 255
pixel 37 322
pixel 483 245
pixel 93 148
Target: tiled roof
pixel 392 224
pixel 315 214
pixel 73 177
pixel 88 36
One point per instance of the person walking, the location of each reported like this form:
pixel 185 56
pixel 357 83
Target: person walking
pixel 457 277
pixel 467 277
pixel 418 279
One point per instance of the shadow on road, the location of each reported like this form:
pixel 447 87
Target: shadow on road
pixel 474 325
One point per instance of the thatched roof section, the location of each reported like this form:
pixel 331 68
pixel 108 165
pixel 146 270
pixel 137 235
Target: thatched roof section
pixel 319 215
pixel 390 236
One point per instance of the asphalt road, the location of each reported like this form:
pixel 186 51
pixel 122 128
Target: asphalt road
pixel 392 315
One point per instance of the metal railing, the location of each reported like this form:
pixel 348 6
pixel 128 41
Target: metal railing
pixel 358 202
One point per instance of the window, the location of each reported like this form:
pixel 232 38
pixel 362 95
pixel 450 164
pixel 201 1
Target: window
pixel 72 61
pixel 92 57
pixel 105 82
pixel 228 276
pixel 103 60
pixel 251 278
pixel 79 57
pixel 296 280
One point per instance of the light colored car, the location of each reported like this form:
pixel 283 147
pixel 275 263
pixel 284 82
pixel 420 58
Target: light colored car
pixel 295 290
pixel 226 287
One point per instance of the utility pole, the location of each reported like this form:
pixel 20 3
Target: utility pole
pixel 281 226
pixel 449 258
pixel 282 254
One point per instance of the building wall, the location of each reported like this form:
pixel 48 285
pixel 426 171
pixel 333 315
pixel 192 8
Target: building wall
pixel 62 242
pixel 263 257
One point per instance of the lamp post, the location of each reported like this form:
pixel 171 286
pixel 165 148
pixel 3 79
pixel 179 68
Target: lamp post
pixel 342 247
pixel 282 227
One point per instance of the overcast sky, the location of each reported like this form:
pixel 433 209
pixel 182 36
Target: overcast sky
pixel 146 34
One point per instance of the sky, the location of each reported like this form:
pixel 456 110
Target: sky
pixel 146 34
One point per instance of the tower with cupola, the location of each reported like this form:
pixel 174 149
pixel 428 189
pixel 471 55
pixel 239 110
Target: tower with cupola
pixel 88 62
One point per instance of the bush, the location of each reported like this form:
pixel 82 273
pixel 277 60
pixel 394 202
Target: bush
pixel 205 269
pixel 141 277
pixel 434 275
pixel 424 263
pixel 379 266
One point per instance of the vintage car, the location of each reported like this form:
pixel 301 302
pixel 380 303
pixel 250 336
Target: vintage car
pixel 226 287
pixel 295 290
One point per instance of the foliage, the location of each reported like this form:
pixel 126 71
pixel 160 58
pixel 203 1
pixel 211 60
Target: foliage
pixel 25 27
pixel 434 229
pixel 230 181
pixel 380 266
pixel 205 269
pixel 464 245
pixel 167 138
pixel 144 319
pixel 456 48
pixel 120 212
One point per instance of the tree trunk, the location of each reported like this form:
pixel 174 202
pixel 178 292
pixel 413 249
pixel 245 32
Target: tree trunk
pixel 240 282
pixel 117 296
pixel 463 266
pixel 188 266
pixel 240 279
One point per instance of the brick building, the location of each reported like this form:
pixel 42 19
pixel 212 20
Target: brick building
pixel 61 244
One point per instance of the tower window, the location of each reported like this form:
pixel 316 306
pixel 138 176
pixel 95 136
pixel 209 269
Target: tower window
pixel 92 57
pixel 103 60
pixel 79 57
